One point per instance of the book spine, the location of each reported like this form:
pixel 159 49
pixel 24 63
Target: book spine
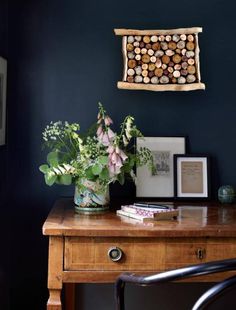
pixel 141 211
pixel 131 215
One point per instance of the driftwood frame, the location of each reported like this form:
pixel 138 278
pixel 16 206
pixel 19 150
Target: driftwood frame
pixel 124 84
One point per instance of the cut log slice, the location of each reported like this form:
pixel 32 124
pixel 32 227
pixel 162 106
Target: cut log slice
pixel 131 72
pixel 144 73
pixel 130 39
pixel 176 74
pixel 143 51
pixel 151 67
pixel 191 61
pixel 131 55
pixel 154 80
pixel 191 78
pixel 176 58
pixel 183 37
pixel 181 44
pixel 154 38
pixel 191 69
pixel 190 54
pixel 164 79
pixel 129 47
pixel 148 46
pixel 150 52
pixel 130 79
pixel 146 79
pixel 158 63
pixel 172 45
pixel 169 53
pixel 164 46
pixel 158 72
pixel 181 80
pixel 146 58
pixel 132 63
pixel 168 38
pixel 156 46
pixel 138 79
pixel 138 70
pixel 190 46
pixel 190 38
pixel 138 38
pixel 165 59
pixel 153 59
pixel 151 74
pixel 175 37
pixel 146 39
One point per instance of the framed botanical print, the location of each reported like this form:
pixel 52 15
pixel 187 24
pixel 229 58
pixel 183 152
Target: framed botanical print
pixel 159 183
pixel 191 175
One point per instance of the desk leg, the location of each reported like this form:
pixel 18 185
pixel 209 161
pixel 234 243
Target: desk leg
pixel 55 268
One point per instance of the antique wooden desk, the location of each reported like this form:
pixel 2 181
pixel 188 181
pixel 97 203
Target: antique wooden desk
pixel 79 244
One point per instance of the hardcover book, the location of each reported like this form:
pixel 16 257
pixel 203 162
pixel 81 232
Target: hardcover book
pixel 147 215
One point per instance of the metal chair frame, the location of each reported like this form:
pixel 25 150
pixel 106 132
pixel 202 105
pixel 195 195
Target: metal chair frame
pixel 179 274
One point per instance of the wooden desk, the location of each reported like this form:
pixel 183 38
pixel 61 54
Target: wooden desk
pixel 78 244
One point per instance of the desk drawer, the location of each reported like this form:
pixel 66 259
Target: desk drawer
pixel 186 251
pixel 92 254
pixel 144 254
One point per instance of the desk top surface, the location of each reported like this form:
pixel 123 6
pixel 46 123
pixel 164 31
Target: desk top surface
pixel 205 219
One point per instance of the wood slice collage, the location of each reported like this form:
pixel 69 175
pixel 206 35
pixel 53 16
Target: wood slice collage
pixel 161 59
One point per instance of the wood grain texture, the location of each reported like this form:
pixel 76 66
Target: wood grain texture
pixel 54 301
pixel 111 276
pixel 168 87
pixel 63 221
pixel 82 243
pixel 124 32
pixel 124 53
pixel 55 267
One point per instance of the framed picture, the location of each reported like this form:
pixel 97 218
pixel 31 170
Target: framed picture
pixel 191 175
pixel 3 86
pixel 159 183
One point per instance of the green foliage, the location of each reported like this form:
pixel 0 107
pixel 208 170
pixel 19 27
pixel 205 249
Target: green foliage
pixel 99 155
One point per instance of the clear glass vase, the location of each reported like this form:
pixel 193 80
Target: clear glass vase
pixel 91 198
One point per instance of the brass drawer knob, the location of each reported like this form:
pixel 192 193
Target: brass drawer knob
pixel 115 254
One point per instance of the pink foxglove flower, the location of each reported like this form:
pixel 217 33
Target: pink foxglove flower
pixel 111 134
pixel 123 155
pixel 110 149
pixel 99 130
pixel 105 139
pixel 108 121
pixel 116 160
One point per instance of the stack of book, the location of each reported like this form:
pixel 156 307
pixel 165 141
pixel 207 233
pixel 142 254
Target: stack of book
pixel 148 211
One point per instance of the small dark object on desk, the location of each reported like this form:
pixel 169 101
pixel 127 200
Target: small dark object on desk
pixel 152 205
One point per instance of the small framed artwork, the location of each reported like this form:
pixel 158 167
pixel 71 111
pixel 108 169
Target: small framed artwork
pixel 191 176
pixel 3 86
pixel 160 182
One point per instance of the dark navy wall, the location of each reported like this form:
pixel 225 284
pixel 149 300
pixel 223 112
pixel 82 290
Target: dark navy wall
pixel 63 59
pixel 3 53
pixel 3 173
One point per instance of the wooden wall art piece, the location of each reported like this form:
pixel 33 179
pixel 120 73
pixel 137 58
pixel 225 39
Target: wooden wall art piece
pixel 161 60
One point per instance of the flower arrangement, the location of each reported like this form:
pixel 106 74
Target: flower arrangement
pixel 100 156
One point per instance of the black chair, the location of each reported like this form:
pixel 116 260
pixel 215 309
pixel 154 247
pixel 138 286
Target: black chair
pixel 179 274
